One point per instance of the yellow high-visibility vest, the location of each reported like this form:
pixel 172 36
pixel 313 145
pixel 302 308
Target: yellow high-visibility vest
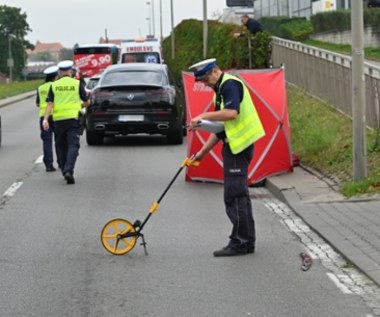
pixel 246 128
pixel 67 102
pixel 43 91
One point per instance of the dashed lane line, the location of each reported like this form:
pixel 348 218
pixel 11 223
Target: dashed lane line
pixel 11 191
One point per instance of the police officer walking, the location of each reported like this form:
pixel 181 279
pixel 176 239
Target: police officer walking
pixel 46 135
pixel 65 99
pixel 242 127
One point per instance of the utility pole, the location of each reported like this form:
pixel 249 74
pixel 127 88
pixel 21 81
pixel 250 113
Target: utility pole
pixel 173 39
pixel 10 59
pixel 161 34
pixel 106 35
pixel 358 96
pixel 153 21
pixel 149 18
pixel 205 29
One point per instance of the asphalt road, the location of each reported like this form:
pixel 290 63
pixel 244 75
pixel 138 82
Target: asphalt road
pixel 53 263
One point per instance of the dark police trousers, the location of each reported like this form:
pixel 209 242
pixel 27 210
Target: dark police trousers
pixel 236 197
pixel 47 142
pixel 67 143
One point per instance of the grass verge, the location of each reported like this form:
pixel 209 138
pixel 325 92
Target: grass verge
pixel 322 138
pixel 369 52
pixel 14 89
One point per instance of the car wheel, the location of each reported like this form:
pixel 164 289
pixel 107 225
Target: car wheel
pixel 175 137
pixel 94 138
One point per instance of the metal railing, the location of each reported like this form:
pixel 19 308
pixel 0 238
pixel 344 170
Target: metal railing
pixel 327 75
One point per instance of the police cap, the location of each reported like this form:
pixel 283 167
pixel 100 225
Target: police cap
pixel 51 71
pixel 203 68
pixel 65 65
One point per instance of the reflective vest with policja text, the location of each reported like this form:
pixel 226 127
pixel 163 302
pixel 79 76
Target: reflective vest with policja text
pixel 67 102
pixel 43 91
pixel 246 128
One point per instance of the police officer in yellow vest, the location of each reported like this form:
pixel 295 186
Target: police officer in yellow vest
pixel 65 98
pixel 242 127
pixel 46 136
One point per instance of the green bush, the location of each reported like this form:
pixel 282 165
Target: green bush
pixel 230 52
pixel 371 16
pixel 331 21
pixel 297 30
pixel 273 24
pixel 340 20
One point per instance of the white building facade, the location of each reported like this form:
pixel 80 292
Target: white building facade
pixel 297 8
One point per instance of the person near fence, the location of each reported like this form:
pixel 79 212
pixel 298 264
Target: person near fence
pixel 251 24
pixel 242 127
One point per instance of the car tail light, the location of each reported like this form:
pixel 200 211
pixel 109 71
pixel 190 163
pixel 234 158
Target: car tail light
pixel 165 95
pixel 102 93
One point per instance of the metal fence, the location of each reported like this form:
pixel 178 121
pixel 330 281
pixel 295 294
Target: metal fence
pixel 327 75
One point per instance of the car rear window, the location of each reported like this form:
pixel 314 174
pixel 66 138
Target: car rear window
pixel 92 83
pixel 134 78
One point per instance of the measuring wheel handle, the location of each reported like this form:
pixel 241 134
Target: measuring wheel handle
pixel 137 224
pixel 119 236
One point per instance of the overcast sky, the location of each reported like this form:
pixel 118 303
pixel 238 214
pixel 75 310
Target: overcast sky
pixel 85 21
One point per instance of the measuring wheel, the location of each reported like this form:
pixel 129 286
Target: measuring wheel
pixel 119 236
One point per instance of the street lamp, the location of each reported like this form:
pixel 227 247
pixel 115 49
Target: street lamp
pixel 172 20
pixel 149 26
pixel 205 28
pixel 153 22
pixel 358 93
pixel 151 16
pixel 161 37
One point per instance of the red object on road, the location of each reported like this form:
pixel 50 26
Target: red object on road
pixel 272 153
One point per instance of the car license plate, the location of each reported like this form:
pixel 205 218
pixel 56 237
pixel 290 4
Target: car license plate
pixel 129 118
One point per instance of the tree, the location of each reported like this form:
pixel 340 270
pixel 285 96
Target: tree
pixel 42 56
pixel 13 29
pixel 66 53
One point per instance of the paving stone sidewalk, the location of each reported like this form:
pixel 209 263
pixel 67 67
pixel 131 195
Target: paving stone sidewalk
pixel 351 226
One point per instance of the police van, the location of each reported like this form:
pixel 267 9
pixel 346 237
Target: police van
pixel 142 50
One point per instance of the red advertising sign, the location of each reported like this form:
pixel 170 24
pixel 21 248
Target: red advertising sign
pixel 92 64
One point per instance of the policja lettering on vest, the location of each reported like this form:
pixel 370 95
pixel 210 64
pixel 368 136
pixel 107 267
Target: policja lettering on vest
pixel 234 107
pixel 65 88
pixel 65 99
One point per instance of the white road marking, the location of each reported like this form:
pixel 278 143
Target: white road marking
pixel 348 279
pixel 338 284
pixel 39 160
pixel 11 191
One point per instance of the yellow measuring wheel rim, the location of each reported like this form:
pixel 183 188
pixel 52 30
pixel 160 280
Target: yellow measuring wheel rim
pixel 109 235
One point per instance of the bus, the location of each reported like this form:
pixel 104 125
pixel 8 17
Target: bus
pixel 92 59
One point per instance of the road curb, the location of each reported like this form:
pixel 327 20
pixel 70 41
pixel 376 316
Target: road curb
pixel 10 100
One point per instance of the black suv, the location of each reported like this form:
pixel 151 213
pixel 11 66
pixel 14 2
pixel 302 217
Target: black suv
pixel 136 98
